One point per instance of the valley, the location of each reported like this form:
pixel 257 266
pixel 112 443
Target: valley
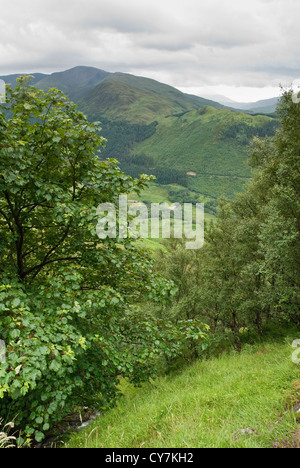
pixel 201 341
pixel 153 128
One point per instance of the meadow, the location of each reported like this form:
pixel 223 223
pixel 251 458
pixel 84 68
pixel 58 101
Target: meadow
pixel 231 401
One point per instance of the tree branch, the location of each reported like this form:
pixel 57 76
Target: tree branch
pixel 41 265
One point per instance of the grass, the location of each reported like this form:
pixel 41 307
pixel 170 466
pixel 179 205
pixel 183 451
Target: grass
pixel 195 141
pixel 218 186
pixel 209 404
pixel 156 193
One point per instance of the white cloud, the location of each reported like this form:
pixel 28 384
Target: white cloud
pixel 191 44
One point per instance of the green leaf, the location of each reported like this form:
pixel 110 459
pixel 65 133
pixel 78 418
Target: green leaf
pixel 39 436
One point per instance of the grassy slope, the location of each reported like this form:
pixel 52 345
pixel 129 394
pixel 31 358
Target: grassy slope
pixel 205 405
pixel 135 99
pixel 119 101
pixel 156 193
pixel 194 142
pixel 185 101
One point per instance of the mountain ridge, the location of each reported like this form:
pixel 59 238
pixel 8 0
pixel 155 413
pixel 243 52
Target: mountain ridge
pixel 154 128
pixel 78 82
pixel 265 106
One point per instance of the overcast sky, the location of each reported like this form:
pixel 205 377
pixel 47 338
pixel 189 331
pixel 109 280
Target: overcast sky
pixel 241 48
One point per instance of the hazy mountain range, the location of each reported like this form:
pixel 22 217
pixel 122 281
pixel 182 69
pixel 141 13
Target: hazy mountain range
pixel 265 106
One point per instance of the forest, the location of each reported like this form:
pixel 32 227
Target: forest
pixel 79 315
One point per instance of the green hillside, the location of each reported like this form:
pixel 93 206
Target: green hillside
pixel 211 143
pixel 133 99
pixel 84 86
pixel 156 129
pixel 235 401
pixel 120 101
pixel 206 141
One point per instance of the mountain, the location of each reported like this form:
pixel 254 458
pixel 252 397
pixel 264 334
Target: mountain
pixel 118 95
pixel 75 82
pixel 154 128
pixel 127 97
pixel 266 106
pixel 210 146
pixel 224 100
pixel 11 79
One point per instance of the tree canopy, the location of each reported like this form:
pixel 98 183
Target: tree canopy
pixel 66 297
pixel 247 275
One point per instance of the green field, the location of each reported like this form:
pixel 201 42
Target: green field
pixel 156 193
pixel 234 401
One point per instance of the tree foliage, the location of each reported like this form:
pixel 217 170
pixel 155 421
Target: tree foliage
pixel 67 299
pixel 247 274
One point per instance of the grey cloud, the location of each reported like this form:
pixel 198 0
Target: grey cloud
pixel 191 43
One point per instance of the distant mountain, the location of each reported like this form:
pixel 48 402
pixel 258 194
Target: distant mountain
pixel 11 79
pixel 118 95
pixel 266 106
pixel 75 82
pixel 225 101
pixel 154 128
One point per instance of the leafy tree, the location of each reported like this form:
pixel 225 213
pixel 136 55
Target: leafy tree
pixel 248 272
pixel 65 296
pixel 263 230
pixel 184 268
pixel 279 238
